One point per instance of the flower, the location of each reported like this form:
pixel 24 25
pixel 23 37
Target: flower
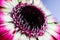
pixel 8 23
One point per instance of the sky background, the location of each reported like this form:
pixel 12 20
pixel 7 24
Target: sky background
pixel 54 7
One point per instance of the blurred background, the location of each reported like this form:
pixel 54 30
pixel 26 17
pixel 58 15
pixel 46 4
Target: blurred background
pixel 54 7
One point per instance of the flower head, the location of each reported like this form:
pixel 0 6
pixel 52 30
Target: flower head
pixel 27 20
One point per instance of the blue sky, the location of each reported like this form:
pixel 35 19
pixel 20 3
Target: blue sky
pixel 54 7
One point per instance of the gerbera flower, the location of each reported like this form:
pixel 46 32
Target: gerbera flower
pixel 27 20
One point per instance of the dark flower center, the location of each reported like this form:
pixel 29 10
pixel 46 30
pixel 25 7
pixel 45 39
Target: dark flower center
pixel 33 16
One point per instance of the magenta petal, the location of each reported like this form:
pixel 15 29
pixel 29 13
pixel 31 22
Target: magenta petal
pixel 5 35
pixel 1 17
pixel 58 29
pixel 1 2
